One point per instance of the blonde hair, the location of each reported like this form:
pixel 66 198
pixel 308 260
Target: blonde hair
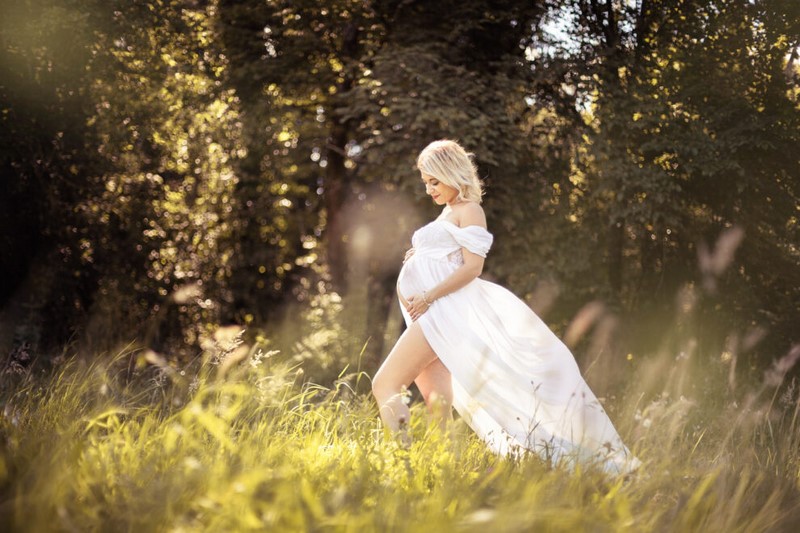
pixel 449 163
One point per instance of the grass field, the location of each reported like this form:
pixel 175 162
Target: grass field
pixel 246 444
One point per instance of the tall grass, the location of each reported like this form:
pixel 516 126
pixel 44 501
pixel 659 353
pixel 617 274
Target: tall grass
pixel 243 443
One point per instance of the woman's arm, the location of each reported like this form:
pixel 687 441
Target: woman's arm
pixel 471 269
pixel 471 215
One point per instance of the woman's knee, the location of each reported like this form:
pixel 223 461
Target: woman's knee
pixel 382 385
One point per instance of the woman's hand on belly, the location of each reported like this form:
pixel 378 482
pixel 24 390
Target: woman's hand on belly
pixel 416 306
pixel 409 253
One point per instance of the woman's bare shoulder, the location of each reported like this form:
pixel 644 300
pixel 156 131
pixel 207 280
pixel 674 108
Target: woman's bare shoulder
pixel 470 214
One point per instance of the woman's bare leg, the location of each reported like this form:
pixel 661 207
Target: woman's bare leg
pixel 437 390
pixel 409 357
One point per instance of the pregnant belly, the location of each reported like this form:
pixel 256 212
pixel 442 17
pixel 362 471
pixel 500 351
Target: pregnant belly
pixel 420 274
pixel 409 280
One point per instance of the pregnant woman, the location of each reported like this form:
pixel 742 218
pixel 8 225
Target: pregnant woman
pixel 474 345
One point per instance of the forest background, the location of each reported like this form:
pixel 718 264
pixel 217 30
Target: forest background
pixel 173 166
pixel 205 205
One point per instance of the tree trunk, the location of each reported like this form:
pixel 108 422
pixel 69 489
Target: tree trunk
pixel 337 176
pixel 336 186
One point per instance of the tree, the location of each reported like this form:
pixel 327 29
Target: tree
pixel 121 138
pixel 354 90
pixel 689 120
pixel 46 48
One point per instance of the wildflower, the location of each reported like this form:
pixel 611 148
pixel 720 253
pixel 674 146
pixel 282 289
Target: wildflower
pixel 226 341
pixel 194 385
pixel 256 358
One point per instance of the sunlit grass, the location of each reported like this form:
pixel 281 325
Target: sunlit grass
pixel 244 444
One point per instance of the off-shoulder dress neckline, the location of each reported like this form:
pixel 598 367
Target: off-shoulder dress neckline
pixel 456 225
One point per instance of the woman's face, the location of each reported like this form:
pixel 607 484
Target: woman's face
pixel 439 192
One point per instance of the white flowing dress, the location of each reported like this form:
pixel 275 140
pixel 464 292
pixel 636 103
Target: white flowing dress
pixel 514 382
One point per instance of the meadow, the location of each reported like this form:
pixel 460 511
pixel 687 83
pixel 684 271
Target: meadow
pixel 243 441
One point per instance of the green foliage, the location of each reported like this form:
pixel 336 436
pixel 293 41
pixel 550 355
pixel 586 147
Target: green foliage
pixel 145 219
pixel 344 94
pixel 688 115
pixel 168 195
pixel 43 102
